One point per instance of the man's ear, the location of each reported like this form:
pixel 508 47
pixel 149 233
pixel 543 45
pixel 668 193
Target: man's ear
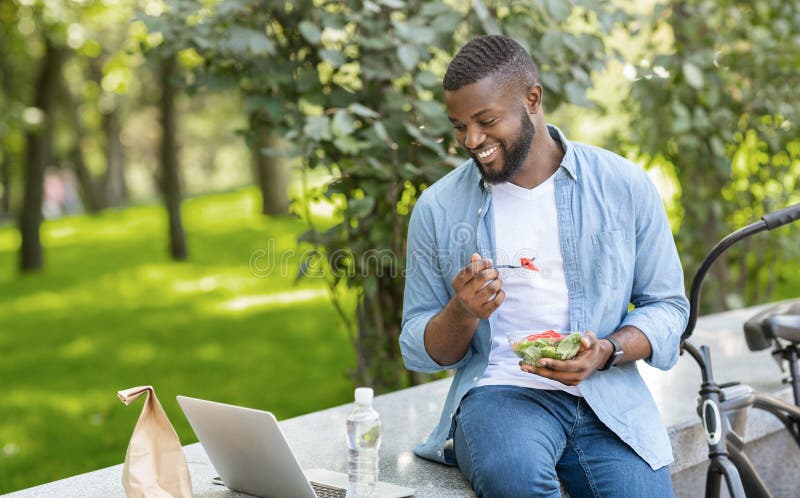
pixel 533 98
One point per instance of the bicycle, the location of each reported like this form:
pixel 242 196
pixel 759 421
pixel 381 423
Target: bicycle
pixel 722 408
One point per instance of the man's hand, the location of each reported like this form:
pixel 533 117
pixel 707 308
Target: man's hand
pixel 478 288
pixel 592 355
pixel 478 292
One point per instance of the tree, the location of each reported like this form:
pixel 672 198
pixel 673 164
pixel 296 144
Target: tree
pixel 38 151
pixel 164 55
pixel 170 182
pixel 236 51
pixel 89 192
pixel 13 100
pixel 271 170
pixel 718 106
pixel 385 131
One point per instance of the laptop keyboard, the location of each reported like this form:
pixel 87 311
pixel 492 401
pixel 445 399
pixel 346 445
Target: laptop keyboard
pixel 325 491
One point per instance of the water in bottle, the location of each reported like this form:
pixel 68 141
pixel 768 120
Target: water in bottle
pixel 363 441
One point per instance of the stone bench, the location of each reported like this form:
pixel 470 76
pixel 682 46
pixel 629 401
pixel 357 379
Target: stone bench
pixel 410 414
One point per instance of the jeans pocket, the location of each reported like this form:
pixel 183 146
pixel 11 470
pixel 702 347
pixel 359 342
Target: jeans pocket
pixel 609 251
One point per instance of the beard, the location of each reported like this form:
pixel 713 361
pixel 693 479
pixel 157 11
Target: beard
pixel 514 154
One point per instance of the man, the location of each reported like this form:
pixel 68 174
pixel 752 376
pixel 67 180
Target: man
pixel 595 236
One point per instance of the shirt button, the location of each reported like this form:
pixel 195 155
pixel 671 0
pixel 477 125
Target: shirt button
pixel 439 453
pixel 475 379
pixel 479 210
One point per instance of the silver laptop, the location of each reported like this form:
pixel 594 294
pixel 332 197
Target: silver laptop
pixel 251 455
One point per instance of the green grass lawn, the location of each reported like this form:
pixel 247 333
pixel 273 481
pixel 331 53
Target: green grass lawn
pixel 112 311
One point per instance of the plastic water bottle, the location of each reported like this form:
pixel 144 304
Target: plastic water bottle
pixel 363 442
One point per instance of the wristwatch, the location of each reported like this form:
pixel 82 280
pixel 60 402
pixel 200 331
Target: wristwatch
pixel 616 356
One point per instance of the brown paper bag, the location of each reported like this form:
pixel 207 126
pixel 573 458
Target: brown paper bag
pixel 155 465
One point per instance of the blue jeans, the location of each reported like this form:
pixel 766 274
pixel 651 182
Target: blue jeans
pixel 513 441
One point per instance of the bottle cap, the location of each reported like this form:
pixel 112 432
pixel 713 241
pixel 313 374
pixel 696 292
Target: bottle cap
pixel 364 395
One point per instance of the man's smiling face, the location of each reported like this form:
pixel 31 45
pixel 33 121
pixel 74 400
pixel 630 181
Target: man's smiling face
pixel 493 126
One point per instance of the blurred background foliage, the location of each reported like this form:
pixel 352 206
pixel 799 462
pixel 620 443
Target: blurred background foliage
pixel 192 192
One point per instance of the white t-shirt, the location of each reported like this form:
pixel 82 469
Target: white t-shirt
pixel 526 226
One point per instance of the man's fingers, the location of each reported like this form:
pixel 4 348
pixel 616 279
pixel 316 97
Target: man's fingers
pixel 588 340
pixel 471 271
pixel 487 281
pixel 493 304
pixel 560 366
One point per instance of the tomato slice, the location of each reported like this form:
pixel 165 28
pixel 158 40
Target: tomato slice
pixel 547 334
pixel 528 264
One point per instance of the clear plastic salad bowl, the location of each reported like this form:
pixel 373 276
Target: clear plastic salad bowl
pixel 532 346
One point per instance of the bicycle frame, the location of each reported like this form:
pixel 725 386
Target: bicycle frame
pixel 725 447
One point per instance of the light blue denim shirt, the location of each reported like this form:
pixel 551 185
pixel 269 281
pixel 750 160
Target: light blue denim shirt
pixel 617 249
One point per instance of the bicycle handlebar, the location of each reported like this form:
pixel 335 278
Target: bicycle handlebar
pixel 782 217
pixel 768 222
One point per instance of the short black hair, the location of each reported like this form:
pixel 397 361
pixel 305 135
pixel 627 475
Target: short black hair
pixel 491 55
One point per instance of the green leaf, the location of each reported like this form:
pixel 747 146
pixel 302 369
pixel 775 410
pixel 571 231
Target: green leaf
pixel 409 56
pixel 693 75
pixel 429 109
pixel 269 105
pixel 360 208
pixel 446 23
pixel 380 131
pixel 682 121
pixel 427 79
pixel 343 124
pixel 231 8
pixel 306 80
pixel 488 23
pixel 363 111
pixel 372 7
pixel 550 82
pixel 551 42
pixel 259 44
pixel 423 140
pixel 244 41
pixel 558 9
pixel 414 33
pixel 350 145
pixel 335 57
pixel 568 347
pixel 317 127
pixel 576 94
pixel 310 32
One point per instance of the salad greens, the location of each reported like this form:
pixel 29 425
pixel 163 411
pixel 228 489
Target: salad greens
pixel 532 348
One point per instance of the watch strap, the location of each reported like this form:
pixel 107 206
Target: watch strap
pixel 616 355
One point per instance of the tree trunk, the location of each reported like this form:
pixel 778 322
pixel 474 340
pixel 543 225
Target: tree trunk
pixel 272 175
pixel 115 190
pixel 170 181
pixel 89 192
pixel 378 346
pixel 112 189
pixel 7 86
pixel 5 185
pixel 37 156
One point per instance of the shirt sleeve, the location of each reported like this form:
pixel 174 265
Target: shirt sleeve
pixel 661 308
pixel 426 290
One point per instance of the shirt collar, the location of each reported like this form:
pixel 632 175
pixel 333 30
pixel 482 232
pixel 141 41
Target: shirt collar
pixel 568 162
